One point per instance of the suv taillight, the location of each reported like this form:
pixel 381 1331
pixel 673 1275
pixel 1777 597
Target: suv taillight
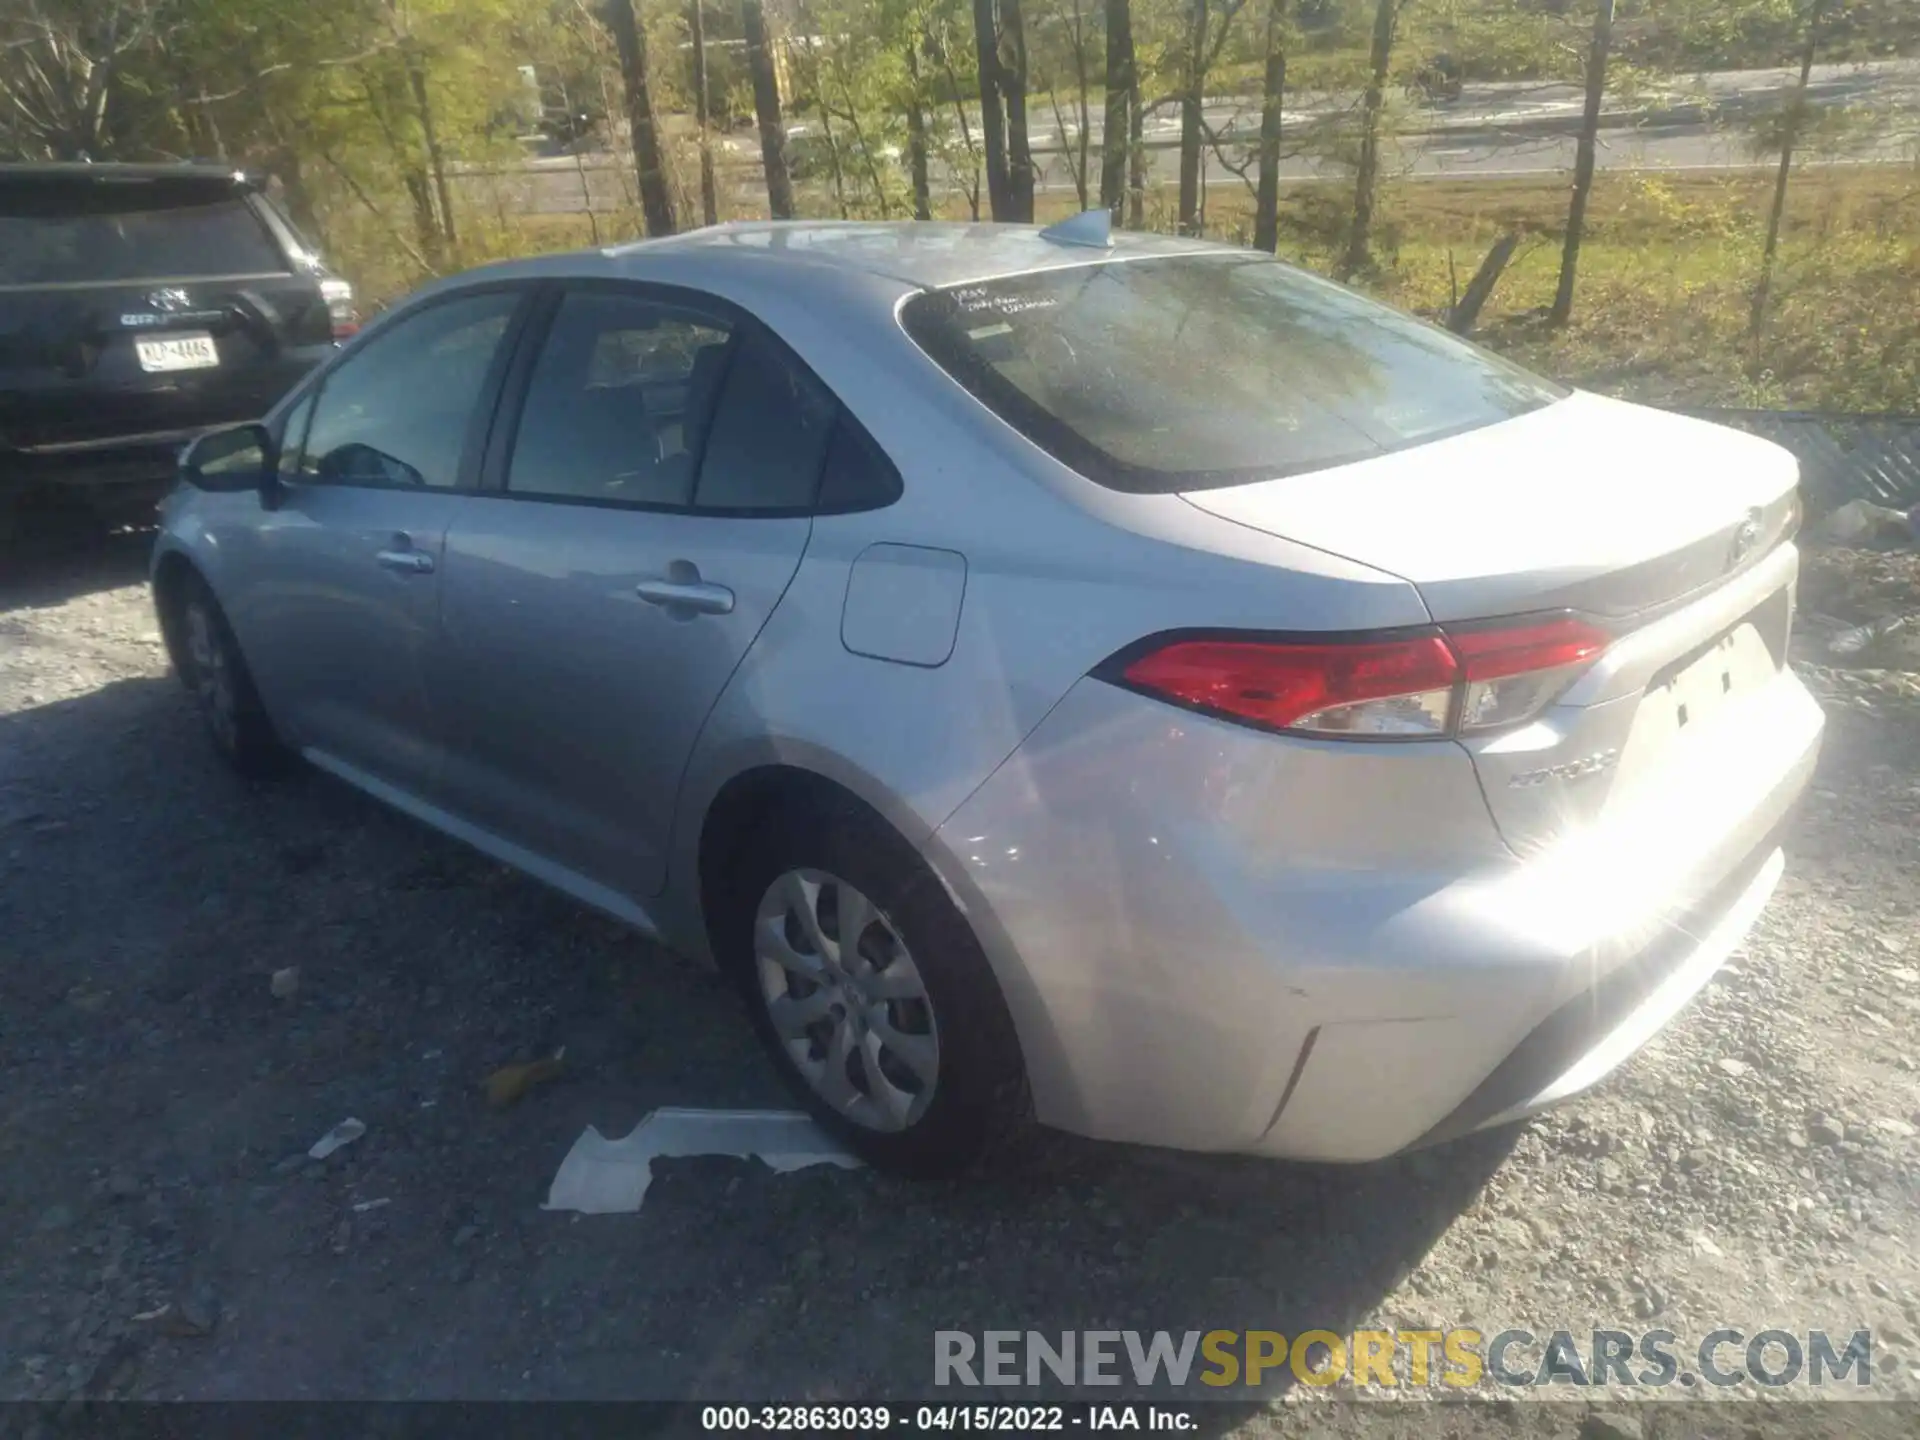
pixel 1426 685
pixel 340 312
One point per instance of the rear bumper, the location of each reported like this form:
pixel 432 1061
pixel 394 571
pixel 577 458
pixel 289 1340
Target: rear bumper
pixel 1215 939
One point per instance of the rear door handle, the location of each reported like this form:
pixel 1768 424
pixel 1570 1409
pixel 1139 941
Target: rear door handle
pixel 407 562
pixel 700 596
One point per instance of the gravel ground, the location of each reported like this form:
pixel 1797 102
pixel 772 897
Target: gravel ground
pixel 1755 1167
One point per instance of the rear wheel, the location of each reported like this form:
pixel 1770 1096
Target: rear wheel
pixel 873 996
pixel 217 674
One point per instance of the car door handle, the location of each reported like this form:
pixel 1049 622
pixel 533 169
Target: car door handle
pixel 407 562
pixel 700 596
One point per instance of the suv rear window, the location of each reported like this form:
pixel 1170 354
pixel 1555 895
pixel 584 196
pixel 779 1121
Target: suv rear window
pixel 1194 371
pixel 68 234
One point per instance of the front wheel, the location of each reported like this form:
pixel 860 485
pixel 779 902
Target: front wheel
pixel 870 991
pixel 222 685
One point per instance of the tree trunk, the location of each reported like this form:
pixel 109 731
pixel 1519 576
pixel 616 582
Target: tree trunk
pixel 1013 85
pixel 1583 160
pixel 1266 200
pixel 1192 222
pixel 1466 310
pixel 1116 130
pixel 631 41
pixel 436 161
pixel 917 136
pixel 1358 254
pixel 1136 158
pixel 766 107
pixel 702 116
pixel 993 117
pixel 1080 83
pixel 1796 117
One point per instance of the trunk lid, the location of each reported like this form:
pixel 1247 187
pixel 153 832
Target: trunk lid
pixel 1667 530
pixel 1590 504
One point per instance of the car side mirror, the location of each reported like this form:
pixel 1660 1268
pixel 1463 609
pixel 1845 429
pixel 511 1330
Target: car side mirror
pixel 228 461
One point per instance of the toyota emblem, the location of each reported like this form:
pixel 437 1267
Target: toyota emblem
pixel 170 301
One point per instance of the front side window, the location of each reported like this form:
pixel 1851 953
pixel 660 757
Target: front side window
pixel 1194 371
pixel 397 410
pixel 617 406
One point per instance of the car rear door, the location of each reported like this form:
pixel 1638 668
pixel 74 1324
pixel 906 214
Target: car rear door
pixel 649 511
pixel 144 307
pixel 333 589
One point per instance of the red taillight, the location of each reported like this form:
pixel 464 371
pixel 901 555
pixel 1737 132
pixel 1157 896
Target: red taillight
pixel 1518 650
pixel 341 314
pixel 1313 687
pixel 1407 687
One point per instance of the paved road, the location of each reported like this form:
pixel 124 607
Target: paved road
pixel 1495 129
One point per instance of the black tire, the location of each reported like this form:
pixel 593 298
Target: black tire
pixel 979 1105
pixel 223 688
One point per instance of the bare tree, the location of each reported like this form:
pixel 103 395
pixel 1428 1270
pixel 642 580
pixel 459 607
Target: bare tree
pixel 1386 21
pixel 1793 122
pixel 1266 200
pixel 766 105
pixel 917 133
pixel 1013 86
pixel 62 68
pixel 1000 45
pixel 944 53
pixel 702 114
pixel 1116 130
pixel 1204 42
pixel 1583 160
pixel 430 134
pixel 993 115
pixel 656 203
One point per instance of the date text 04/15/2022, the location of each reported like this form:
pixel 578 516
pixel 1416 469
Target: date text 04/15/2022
pixel 942 1419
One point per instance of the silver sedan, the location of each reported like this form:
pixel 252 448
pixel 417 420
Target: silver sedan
pixel 1126 684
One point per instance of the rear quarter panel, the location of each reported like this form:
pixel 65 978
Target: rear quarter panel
pixel 1059 574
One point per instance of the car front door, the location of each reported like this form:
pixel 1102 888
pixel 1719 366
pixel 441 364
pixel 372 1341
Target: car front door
pixel 651 506
pixel 337 593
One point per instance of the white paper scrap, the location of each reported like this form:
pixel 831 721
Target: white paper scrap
pixel 610 1177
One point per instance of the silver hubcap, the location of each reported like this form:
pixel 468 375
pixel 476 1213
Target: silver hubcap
pixel 846 999
pixel 212 680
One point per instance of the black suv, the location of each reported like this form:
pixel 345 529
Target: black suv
pixel 139 305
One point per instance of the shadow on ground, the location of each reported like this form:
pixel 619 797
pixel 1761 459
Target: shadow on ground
pixel 161 1099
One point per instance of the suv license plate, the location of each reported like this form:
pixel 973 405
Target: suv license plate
pixel 190 351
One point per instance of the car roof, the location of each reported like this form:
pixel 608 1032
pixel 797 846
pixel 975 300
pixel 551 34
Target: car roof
pixel 916 254
pixel 87 170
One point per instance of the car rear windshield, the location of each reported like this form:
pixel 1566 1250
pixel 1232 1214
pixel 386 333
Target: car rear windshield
pixel 1194 371
pixel 69 234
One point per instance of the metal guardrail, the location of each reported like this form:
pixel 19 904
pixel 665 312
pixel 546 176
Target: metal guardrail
pixel 1842 457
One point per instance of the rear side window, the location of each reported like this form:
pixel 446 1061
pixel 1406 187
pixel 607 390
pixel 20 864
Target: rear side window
pixel 128 233
pixel 769 436
pixel 1193 371
pixel 617 407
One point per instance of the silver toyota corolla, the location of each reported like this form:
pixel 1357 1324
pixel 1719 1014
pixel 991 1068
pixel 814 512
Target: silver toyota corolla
pixel 1132 685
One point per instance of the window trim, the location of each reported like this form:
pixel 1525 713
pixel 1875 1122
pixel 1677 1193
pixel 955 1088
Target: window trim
pixel 486 406
pixel 512 399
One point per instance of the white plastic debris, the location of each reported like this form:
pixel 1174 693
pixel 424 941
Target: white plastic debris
pixel 365 1205
pixel 340 1136
pixel 610 1177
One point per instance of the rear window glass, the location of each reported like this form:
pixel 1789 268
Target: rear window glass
pixel 67 235
pixel 1193 371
